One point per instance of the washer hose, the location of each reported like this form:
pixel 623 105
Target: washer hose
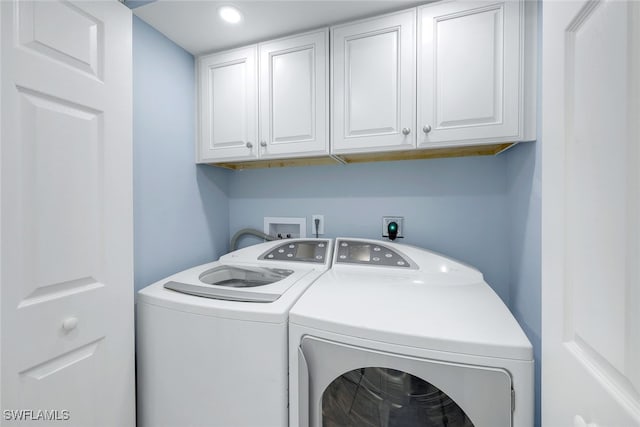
pixel 248 231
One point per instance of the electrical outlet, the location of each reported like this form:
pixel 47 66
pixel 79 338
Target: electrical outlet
pixel 320 224
pixel 385 223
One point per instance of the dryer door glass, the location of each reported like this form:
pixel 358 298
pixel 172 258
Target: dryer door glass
pixel 386 397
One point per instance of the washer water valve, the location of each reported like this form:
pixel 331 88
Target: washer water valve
pixel 285 228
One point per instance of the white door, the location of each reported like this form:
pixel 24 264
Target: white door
pixel 228 91
pixel 591 214
pixel 373 72
pixel 66 214
pixel 294 96
pixel 469 72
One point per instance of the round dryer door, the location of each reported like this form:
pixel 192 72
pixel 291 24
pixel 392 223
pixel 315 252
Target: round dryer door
pixel 344 385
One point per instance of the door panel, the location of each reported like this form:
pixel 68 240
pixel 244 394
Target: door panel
pixel 66 222
pixel 374 84
pixel 228 105
pixel 294 94
pixel 61 194
pixel 597 177
pixel 454 108
pixel 468 72
pixel 79 46
pixel 591 221
pixel 373 63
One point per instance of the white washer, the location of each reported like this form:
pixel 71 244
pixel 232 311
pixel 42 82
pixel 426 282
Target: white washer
pixel 212 340
pixel 395 335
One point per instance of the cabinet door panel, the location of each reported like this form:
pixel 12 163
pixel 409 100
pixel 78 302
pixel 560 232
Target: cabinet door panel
pixel 484 51
pixel 469 72
pixel 373 84
pixel 228 105
pixel 228 92
pixel 294 96
pixel 372 80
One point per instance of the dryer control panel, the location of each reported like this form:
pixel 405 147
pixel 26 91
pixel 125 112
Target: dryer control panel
pixel 299 250
pixel 363 252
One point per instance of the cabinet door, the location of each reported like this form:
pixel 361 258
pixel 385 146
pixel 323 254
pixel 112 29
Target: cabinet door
pixel 294 97
pixel 228 105
pixel 373 91
pixel 469 70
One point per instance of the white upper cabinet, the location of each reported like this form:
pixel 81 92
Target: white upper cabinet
pixel 449 74
pixel 373 75
pixel 228 106
pixel 471 67
pixel 294 96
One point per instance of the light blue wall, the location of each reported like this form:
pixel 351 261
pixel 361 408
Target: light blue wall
pixel 524 200
pixel 454 206
pixel 525 231
pixel 181 210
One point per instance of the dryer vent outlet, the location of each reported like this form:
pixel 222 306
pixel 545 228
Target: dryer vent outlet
pixel 285 228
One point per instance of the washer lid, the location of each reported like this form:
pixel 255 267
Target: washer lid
pixel 222 281
pixel 445 309
pixel 243 302
pixel 243 277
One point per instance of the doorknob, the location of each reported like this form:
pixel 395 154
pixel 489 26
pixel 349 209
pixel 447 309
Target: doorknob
pixel 249 145
pixel 263 143
pixel 426 128
pixel 406 131
pixel 69 323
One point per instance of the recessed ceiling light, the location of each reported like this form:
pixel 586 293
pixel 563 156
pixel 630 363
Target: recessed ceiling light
pixel 230 14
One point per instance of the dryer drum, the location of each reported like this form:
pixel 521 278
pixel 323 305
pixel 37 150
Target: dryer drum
pixel 383 397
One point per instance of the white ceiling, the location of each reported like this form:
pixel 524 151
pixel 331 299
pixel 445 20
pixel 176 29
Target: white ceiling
pixel 196 27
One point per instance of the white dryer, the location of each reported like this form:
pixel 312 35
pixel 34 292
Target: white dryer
pixel 212 340
pixel 395 335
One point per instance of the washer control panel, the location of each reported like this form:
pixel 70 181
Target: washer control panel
pixel 362 252
pixel 299 250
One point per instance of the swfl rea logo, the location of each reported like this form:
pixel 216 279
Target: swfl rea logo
pixel 36 415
